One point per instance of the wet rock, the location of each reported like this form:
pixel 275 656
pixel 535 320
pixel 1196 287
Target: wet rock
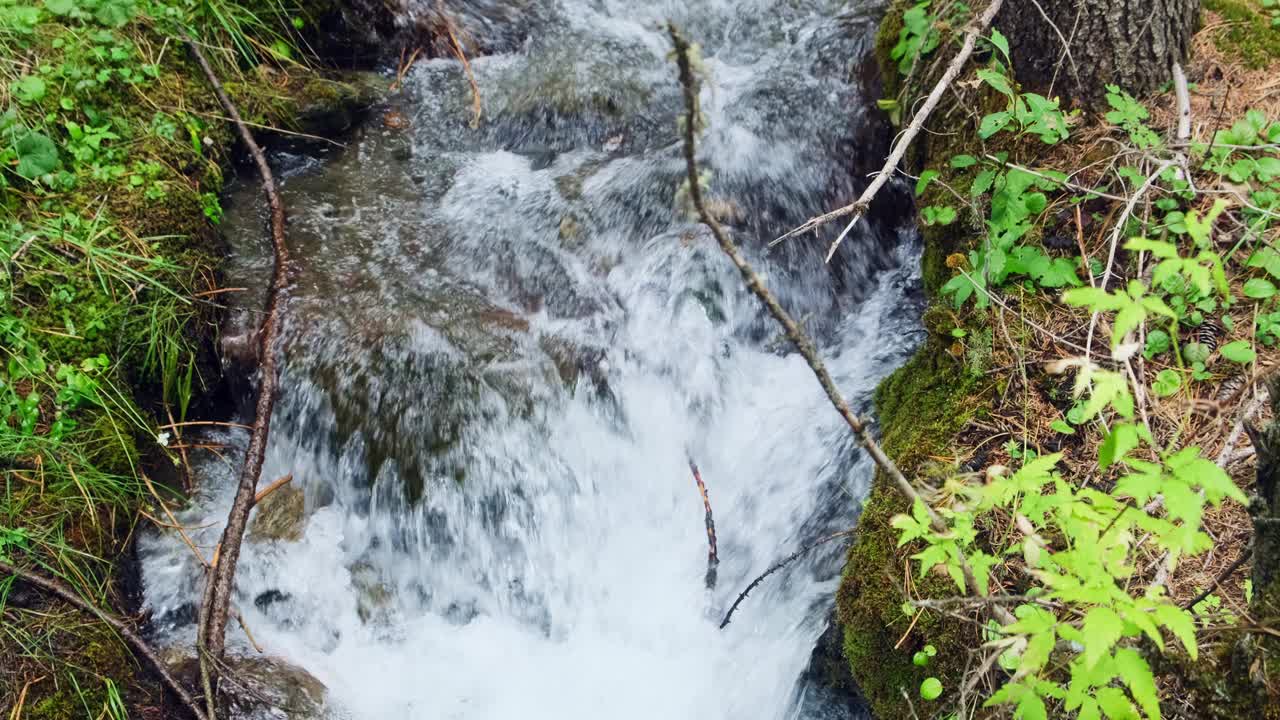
pixel 267 598
pixel 570 231
pixel 827 677
pixel 572 361
pixel 280 516
pixel 328 106
pixel 258 687
pixel 375 599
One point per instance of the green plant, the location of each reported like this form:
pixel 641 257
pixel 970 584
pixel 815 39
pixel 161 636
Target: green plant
pixel 918 36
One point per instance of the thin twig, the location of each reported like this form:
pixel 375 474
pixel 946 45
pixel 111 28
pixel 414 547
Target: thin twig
pixel 66 593
pixel 1115 241
pixel 1222 576
pixel 713 555
pixel 476 107
pixel 860 206
pixel 275 485
pixel 778 566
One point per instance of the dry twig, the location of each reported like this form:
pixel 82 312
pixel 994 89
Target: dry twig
pixel 860 206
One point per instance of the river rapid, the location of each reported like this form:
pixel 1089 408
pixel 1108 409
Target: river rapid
pixel 503 346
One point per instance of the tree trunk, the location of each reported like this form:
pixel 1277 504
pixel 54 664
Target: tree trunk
pixel 1130 43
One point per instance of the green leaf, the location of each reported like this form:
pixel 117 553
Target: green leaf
pixel 931 688
pixel 1136 674
pixel 983 182
pixel 1031 707
pixel 29 89
pixel 1160 249
pixel 1195 352
pixel 1239 351
pixel 37 155
pixel 996 80
pixel 994 123
pixel 1178 622
pixel 1093 298
pixel 1157 342
pixel 1167 383
pixel 1118 443
pixel 114 13
pixel 1062 427
pixel 1266 258
pixel 961 162
pixel 1182 503
pixel 926 177
pixel 938 215
pixel 1259 289
pixel 1102 630
pixel 999 40
pixel 60 7
pixel 1115 704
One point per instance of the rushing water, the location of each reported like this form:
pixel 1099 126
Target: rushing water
pixel 505 343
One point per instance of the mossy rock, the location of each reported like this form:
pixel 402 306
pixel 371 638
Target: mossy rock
pixel 921 407
pixel 280 516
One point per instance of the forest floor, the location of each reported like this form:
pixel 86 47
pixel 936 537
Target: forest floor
pixel 1056 197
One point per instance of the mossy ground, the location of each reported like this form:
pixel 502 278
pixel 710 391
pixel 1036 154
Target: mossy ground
pixel 1245 32
pixel 110 270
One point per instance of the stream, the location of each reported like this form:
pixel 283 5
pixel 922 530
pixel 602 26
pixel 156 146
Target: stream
pixel 503 345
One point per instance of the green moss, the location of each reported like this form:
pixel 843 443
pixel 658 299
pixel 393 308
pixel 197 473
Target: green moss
pixel 111 250
pixel 920 406
pixel 886 39
pixel 1249 34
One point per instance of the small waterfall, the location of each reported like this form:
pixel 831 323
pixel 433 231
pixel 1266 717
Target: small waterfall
pixel 503 346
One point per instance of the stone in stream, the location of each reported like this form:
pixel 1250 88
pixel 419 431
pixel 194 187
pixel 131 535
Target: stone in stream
pixel 280 516
pixel 258 687
pixel 375 599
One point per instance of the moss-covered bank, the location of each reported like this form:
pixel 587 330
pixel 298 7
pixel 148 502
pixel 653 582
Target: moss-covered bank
pixel 114 153
pixel 923 410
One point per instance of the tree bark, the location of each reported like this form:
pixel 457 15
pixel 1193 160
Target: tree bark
pixel 1075 48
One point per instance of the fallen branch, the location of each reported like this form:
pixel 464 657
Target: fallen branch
pixel 860 206
pixel 1222 576
pixel 804 345
pixel 713 557
pixel 216 602
pixel 778 566
pixel 140 646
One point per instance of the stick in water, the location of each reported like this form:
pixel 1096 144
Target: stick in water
pixel 713 557
pixel 778 566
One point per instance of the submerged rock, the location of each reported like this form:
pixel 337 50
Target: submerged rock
pixel 280 516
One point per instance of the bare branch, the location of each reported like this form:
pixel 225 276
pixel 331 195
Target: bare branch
pixel 860 206
pixel 778 566
pixel 216 602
